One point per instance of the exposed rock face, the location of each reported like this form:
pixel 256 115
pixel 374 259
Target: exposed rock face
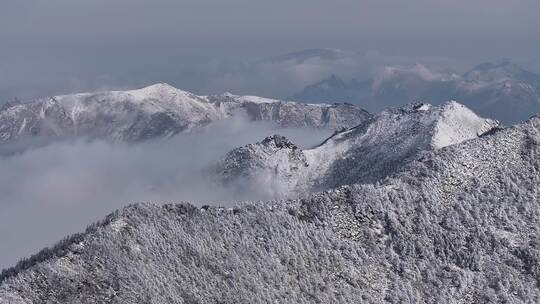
pixel 156 111
pixel 460 224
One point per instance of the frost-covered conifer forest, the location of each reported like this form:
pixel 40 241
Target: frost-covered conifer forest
pixel 165 152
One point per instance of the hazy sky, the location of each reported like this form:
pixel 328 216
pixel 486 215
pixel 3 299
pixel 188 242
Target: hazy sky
pixel 56 46
pixel 75 44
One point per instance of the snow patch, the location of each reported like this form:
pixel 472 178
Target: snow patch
pixel 458 123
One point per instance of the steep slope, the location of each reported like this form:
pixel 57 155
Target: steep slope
pixel 460 225
pixel 501 90
pixel 366 153
pixel 157 110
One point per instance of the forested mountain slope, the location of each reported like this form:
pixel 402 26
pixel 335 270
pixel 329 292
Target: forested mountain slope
pixel 460 224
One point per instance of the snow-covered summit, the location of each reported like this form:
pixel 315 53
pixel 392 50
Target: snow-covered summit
pixel 368 152
pixel 158 110
pixel 272 167
pixel 158 88
pixel 457 123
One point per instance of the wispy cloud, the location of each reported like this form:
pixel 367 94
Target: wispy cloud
pixel 49 191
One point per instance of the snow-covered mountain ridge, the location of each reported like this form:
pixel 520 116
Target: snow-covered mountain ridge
pixel 158 110
pixel 366 153
pixel 460 224
pixel 502 90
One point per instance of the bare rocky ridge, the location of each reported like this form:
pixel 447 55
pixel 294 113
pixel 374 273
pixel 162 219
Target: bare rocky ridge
pixel 156 111
pixel 459 224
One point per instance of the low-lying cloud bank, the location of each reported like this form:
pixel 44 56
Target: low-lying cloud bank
pixel 52 190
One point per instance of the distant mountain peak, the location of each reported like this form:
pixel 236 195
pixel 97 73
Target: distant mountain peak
pixel 159 110
pixel 485 66
pixel 500 89
pixel 332 82
pixel 497 71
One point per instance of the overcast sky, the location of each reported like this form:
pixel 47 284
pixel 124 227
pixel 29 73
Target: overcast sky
pixel 56 46
pixel 64 46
